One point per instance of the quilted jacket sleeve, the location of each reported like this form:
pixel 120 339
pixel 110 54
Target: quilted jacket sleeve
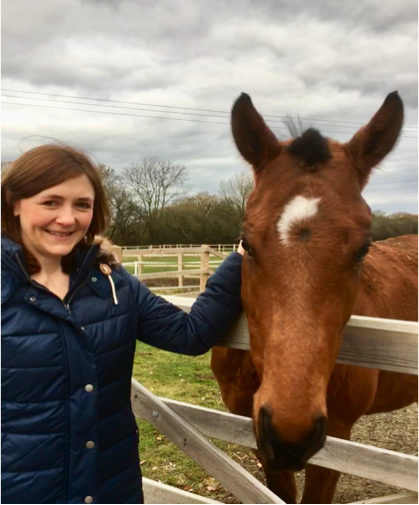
pixel 167 327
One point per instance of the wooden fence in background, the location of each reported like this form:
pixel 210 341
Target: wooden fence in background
pixel 205 264
pixel 218 247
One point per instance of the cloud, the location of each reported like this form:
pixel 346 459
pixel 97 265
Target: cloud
pixel 320 60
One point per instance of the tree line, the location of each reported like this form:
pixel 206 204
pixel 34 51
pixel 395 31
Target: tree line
pixel 151 203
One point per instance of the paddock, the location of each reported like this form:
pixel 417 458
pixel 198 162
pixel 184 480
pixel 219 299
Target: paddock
pixel 370 342
pixel 209 259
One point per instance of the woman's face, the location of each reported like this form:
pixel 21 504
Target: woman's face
pixel 56 219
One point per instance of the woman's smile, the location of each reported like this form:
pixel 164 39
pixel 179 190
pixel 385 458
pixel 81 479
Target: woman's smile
pixel 60 235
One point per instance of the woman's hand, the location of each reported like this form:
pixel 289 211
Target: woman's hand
pixel 240 249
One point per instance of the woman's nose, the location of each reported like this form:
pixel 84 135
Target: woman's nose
pixel 65 217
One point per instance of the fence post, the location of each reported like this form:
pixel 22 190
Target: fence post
pixel 205 267
pixel 139 264
pixel 180 267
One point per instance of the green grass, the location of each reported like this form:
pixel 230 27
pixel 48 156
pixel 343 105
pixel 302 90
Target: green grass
pixel 187 379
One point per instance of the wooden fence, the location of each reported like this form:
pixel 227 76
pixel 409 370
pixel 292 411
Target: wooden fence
pixel 218 247
pixel 369 342
pixel 206 265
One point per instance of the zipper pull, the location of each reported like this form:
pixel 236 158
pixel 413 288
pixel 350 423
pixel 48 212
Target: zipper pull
pixel 106 270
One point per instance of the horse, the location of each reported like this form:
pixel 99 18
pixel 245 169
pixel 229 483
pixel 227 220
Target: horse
pixel 309 264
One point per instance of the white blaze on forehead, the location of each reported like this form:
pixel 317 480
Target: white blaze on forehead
pixel 298 210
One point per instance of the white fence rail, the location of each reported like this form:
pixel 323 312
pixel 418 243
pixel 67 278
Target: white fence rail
pixel 180 270
pixel 218 247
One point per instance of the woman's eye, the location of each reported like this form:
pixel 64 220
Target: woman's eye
pixel 360 255
pixel 84 206
pixel 50 203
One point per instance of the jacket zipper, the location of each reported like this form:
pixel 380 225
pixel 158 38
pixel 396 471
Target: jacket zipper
pixel 67 307
pixel 62 330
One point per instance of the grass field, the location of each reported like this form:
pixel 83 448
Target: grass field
pixel 189 380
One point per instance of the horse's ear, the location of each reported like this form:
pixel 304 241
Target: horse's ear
pixel 254 140
pixel 374 141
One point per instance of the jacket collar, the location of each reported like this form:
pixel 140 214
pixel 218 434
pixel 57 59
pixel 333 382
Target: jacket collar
pixel 12 275
pixel 10 251
pixel 13 261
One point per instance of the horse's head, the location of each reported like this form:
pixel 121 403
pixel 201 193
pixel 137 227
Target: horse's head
pixel 306 231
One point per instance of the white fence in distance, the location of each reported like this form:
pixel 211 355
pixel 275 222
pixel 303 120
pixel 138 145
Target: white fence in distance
pixel 206 266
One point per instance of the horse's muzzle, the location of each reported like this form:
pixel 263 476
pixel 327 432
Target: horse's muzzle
pixel 278 453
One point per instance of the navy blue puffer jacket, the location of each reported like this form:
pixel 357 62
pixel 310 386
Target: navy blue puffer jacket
pixel 68 431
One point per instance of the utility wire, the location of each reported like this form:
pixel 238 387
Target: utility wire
pixel 175 107
pixel 148 110
pixel 144 116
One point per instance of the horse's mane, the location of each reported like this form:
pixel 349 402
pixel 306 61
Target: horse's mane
pixel 311 146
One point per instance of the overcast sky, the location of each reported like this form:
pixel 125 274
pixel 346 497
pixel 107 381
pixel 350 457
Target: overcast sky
pixel 177 60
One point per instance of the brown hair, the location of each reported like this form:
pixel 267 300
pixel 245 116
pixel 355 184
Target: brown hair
pixel 39 169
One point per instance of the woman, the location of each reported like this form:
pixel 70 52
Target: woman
pixel 70 319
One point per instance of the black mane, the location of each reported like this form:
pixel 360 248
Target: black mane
pixel 311 146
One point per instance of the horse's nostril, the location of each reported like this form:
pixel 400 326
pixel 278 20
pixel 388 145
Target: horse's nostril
pixel 281 454
pixel 265 432
pixel 320 430
pixel 315 441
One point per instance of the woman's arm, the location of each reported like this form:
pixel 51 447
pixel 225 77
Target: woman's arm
pixel 167 327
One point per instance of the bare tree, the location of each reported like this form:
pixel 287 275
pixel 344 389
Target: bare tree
pixel 4 166
pixel 108 176
pixel 128 225
pixel 155 183
pixel 235 192
pixel 127 220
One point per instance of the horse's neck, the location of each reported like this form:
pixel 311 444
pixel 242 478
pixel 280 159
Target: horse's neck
pixel 389 281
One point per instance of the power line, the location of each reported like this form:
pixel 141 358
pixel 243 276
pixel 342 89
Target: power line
pixel 176 107
pixel 111 106
pixel 113 113
pixel 150 110
pixel 144 116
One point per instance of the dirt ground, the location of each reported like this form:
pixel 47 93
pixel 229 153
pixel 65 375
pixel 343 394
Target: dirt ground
pixel 396 431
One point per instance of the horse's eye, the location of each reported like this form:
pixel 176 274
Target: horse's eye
pixel 246 246
pixel 360 255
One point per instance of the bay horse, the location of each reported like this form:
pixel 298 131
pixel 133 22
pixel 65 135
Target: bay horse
pixel 309 264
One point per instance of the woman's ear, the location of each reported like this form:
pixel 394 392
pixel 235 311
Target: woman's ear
pixel 16 209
